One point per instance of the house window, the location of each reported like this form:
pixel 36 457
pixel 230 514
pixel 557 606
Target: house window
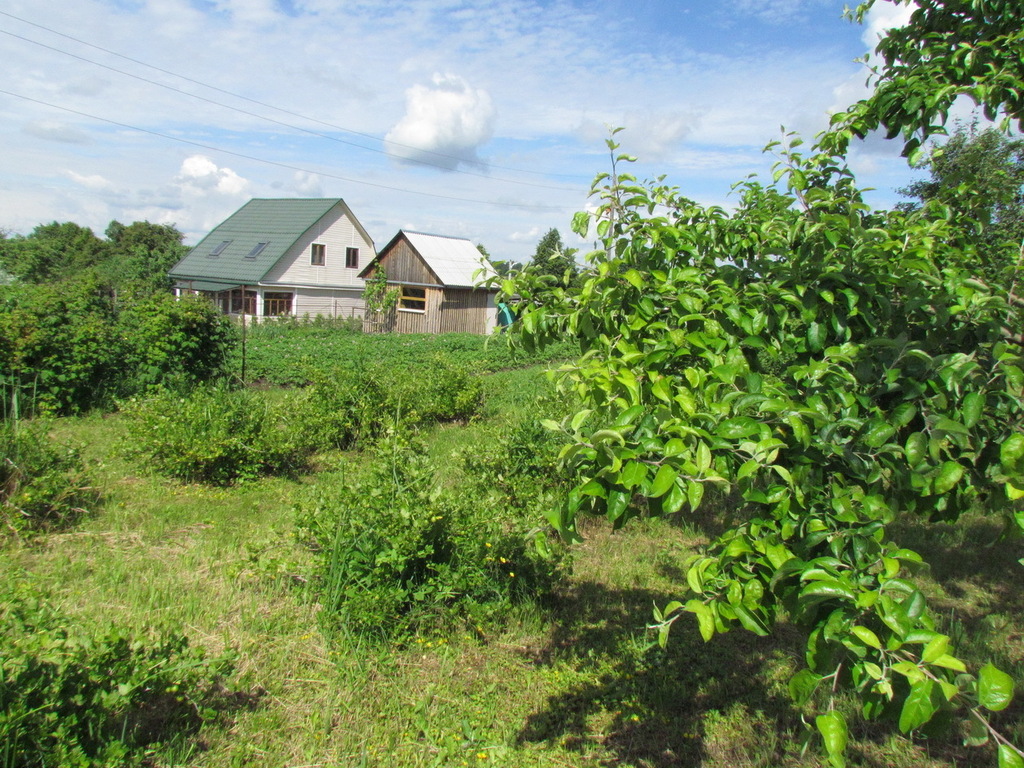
pixel 352 258
pixel 318 254
pixel 256 250
pixel 219 249
pixel 243 302
pixel 275 304
pixel 414 299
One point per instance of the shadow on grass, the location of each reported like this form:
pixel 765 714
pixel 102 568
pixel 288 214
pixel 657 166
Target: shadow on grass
pixel 638 704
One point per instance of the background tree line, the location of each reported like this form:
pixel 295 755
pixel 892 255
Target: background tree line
pixel 85 321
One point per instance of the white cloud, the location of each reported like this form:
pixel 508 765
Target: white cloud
pixel 307 184
pixel 199 174
pixel 882 17
pixel 444 124
pixel 53 130
pixel 95 181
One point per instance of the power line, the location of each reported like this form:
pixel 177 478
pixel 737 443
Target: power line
pixel 278 164
pixel 263 117
pixel 270 106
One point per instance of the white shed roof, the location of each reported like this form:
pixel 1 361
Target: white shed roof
pixel 455 260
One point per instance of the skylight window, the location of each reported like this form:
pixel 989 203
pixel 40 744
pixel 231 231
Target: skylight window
pixel 256 250
pixel 219 249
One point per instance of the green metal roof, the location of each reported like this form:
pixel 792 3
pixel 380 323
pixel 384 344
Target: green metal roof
pixel 277 222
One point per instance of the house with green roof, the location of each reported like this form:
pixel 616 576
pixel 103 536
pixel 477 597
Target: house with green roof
pixel 279 257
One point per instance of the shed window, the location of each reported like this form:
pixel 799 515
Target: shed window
pixel 318 254
pixel 256 250
pixel 414 299
pixel 352 258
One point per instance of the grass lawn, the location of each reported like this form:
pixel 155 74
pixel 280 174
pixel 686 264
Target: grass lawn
pixel 578 682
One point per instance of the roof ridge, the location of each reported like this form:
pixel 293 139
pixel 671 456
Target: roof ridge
pixel 433 234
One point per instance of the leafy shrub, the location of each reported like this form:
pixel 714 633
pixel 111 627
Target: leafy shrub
pixel 74 698
pixel 438 391
pixel 397 555
pixel 42 487
pixel 347 407
pixel 516 465
pixel 173 342
pixel 58 348
pixel 214 435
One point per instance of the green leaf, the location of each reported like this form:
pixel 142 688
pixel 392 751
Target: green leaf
pixel 995 688
pixel 878 433
pixel 949 475
pixel 663 481
pixel 832 727
pixel 705 619
pixel 918 708
pixel 1011 451
pixel 816 337
pixel 973 407
pixel 803 685
pixel 867 637
pixel 916 448
pixel 1009 757
pixel 618 501
pixel 738 427
pixel 633 474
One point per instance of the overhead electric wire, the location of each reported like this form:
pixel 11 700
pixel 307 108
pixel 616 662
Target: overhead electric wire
pixel 263 117
pixel 288 166
pixel 272 106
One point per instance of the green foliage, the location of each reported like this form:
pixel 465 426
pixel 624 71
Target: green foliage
pixel 55 251
pixel 552 258
pixel 399 556
pixel 215 435
pixel 72 697
pixel 140 256
pixel 977 177
pixel 831 368
pixel 295 353
pixel 947 50
pixel 379 298
pixel 42 487
pixel 516 465
pixel 171 342
pixel 58 347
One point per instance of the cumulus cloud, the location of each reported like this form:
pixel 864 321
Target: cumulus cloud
pixel 308 184
pixel 199 174
pixel 444 124
pixel 882 17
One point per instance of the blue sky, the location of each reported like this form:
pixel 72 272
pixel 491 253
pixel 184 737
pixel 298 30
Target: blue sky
pixel 475 119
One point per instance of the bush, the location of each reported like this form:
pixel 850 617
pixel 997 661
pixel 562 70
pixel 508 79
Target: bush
pixel 516 465
pixel 397 555
pixel 349 408
pixel 42 487
pixel 174 343
pixel 214 435
pixel 58 349
pixel 74 698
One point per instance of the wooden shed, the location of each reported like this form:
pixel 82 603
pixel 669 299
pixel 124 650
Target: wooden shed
pixel 436 277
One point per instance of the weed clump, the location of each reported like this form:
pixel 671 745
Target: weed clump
pixel 397 555
pixel 42 487
pixel 76 698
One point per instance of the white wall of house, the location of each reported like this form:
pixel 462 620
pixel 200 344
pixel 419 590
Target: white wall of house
pixel 332 303
pixel 336 232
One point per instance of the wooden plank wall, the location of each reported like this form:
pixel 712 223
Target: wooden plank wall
pixel 404 266
pixel 449 310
